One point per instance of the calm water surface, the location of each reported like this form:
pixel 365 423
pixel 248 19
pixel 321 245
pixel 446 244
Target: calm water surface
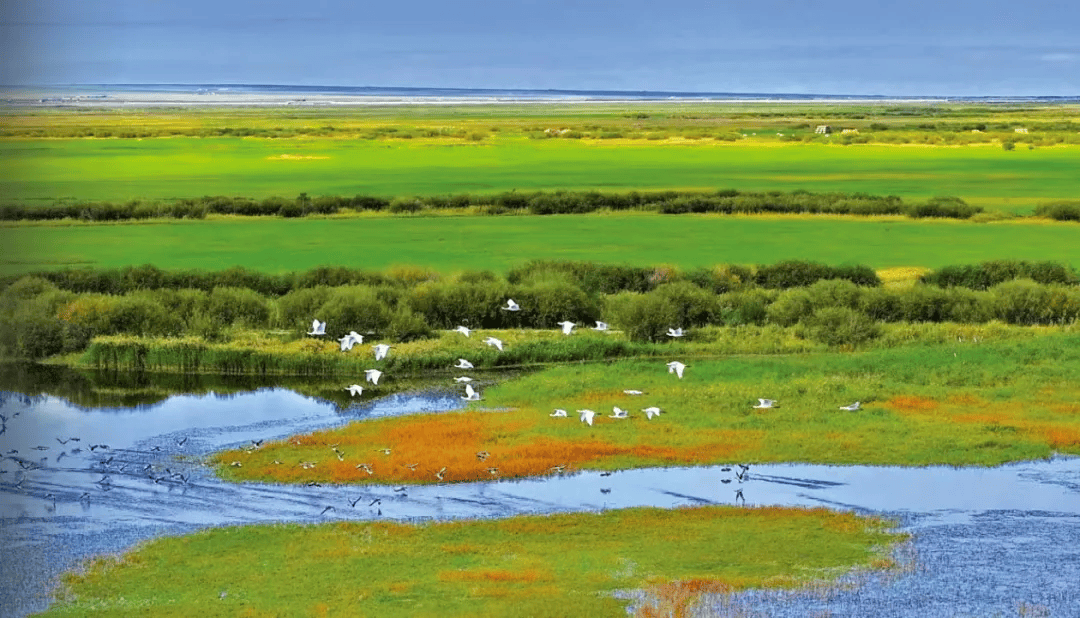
pixel 982 536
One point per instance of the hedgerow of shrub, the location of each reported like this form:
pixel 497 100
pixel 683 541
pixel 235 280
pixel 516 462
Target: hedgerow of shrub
pixel 985 275
pixel 1059 211
pixel 726 201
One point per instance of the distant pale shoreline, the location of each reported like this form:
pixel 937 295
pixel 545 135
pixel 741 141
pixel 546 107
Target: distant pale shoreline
pixel 164 95
pixel 104 98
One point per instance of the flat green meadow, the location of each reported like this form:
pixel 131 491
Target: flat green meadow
pixel 447 244
pixel 178 167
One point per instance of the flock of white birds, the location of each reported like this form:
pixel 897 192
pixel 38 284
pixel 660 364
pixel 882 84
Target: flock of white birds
pixel 471 394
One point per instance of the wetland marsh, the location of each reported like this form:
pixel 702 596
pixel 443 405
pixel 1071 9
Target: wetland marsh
pixel 245 468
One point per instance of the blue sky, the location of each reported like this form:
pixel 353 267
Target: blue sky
pixel 917 47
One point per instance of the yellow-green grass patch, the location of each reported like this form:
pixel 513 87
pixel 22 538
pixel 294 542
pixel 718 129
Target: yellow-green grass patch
pixel 555 565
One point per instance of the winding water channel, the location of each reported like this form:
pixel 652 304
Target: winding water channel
pixel 1001 541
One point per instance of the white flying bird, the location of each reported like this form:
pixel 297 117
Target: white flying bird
pixel 586 416
pixel 372 375
pixel 511 305
pixel 491 341
pixel 346 343
pixel 765 404
pixel 317 328
pixel 651 412
pixel 471 394
pixel 463 364
pixel 464 330
pixel 617 412
pixel 566 327
pixel 355 390
pixel 461 379
pixel 558 413
pixel 381 350
pixel 676 367
pixel 600 325
pixel 631 391
pixel 675 332
pixel 852 407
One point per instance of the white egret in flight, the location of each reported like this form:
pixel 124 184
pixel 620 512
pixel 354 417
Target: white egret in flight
pixel 676 367
pixel 381 350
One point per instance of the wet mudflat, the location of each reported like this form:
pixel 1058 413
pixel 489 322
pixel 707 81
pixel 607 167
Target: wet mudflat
pixel 982 537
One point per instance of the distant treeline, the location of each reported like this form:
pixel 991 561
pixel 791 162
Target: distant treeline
pixel 53 312
pixel 727 201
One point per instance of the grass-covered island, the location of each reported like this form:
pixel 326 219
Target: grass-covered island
pixel 554 565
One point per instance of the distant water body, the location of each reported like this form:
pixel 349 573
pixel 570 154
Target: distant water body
pixel 90 91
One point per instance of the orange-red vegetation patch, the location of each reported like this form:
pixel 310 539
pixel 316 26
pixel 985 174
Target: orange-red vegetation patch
pixel 1061 437
pixel 457 447
pixel 911 403
pixel 674 599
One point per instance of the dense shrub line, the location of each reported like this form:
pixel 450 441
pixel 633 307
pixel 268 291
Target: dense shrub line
pixel 986 274
pixel 60 312
pixel 1059 211
pixel 728 201
pixel 594 278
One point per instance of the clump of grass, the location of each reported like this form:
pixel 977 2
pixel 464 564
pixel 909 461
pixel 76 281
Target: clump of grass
pixel 526 565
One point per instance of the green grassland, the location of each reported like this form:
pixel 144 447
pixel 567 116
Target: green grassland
pixel 448 244
pixel 122 169
pixel 962 403
pixel 557 565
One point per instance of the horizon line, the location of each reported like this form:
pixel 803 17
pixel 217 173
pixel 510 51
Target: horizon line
pixel 579 91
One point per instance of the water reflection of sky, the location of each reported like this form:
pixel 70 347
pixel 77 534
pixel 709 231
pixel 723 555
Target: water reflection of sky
pixel 59 498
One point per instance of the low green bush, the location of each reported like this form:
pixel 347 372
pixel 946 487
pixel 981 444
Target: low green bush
pixel 985 275
pixel 839 326
pixel 1059 211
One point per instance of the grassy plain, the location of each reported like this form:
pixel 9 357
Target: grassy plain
pixel 557 565
pixel 962 403
pixel 165 168
pixel 449 244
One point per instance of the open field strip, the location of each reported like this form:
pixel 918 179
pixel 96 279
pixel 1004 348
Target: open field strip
pixel 556 565
pixel 122 169
pixel 448 244
pixel 963 403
